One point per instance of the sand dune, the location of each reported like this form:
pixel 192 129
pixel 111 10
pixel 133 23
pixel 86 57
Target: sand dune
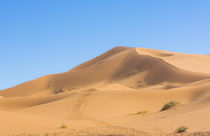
pixel 107 68
pixel 103 96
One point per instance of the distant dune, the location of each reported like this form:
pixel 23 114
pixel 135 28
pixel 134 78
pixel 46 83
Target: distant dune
pixel 120 92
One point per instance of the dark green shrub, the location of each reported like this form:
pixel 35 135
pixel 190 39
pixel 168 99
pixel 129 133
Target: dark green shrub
pixel 181 129
pixel 170 105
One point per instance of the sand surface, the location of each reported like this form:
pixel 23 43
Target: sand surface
pixel 119 93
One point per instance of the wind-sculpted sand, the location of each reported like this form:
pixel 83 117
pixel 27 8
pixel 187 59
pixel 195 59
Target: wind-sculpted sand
pixel 119 93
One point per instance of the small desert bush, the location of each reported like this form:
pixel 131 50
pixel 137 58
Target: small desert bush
pixel 63 126
pixel 181 129
pixel 59 91
pixel 170 105
pixel 139 113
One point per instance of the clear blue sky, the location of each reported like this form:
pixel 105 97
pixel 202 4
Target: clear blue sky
pixel 40 37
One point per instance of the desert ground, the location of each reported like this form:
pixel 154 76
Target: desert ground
pixel 122 92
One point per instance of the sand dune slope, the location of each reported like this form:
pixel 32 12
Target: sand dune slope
pixel 190 62
pixel 119 93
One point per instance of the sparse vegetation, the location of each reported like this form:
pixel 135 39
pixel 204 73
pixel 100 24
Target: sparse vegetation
pixel 170 105
pixel 181 129
pixel 63 126
pixel 63 90
pixel 139 113
pixel 59 91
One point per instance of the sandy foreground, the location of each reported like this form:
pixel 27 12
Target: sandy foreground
pixel 119 93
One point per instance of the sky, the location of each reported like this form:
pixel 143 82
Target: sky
pixel 41 37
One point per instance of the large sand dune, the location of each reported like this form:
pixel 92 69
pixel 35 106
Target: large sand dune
pixel 120 92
